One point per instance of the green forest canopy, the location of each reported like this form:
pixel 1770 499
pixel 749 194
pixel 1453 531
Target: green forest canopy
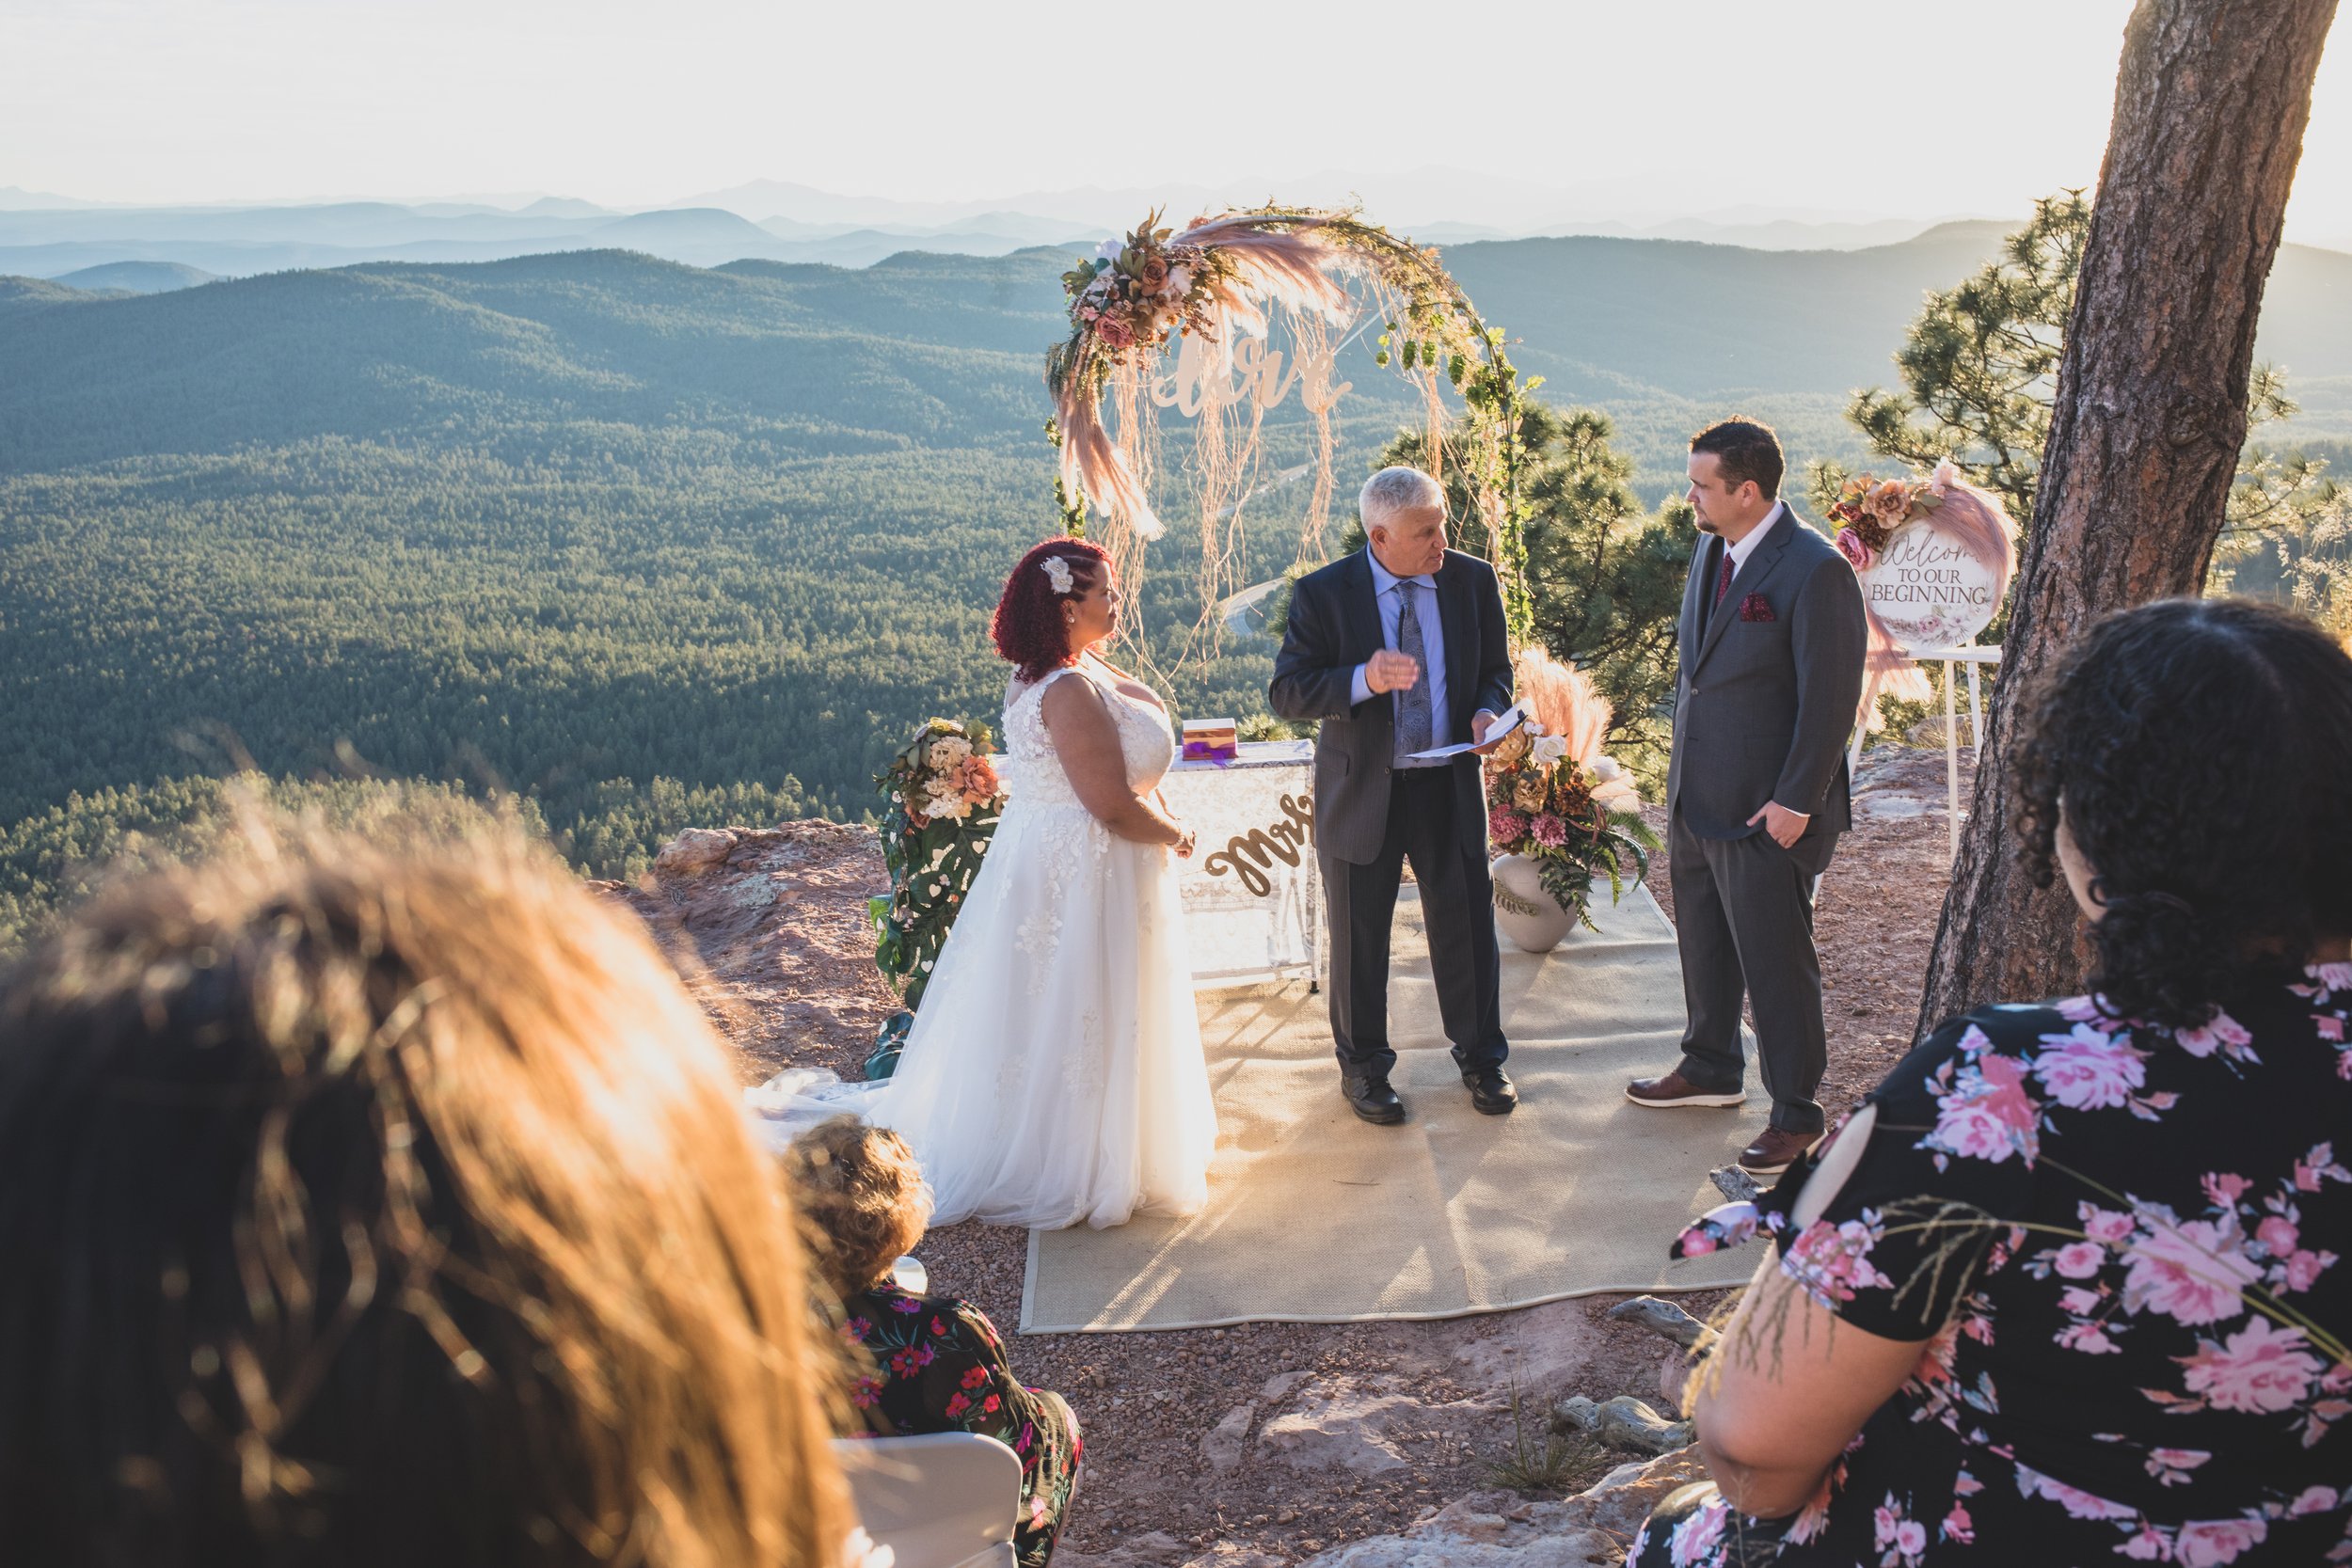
pixel 653 545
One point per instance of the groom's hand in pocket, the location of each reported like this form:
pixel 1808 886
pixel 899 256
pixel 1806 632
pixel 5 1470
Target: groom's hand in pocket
pixel 1786 826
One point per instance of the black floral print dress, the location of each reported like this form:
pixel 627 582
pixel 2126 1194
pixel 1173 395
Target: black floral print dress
pixel 2122 1246
pixel 935 1363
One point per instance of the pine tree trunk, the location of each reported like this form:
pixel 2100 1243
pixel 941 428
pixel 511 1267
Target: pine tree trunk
pixel 2210 106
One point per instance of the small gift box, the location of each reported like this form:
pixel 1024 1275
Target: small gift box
pixel 1209 740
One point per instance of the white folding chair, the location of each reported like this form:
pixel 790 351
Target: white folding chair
pixel 943 1499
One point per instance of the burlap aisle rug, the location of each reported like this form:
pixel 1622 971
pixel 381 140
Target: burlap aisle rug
pixel 1314 1217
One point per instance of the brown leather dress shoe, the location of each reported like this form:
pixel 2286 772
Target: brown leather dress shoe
pixel 1673 1090
pixel 1775 1151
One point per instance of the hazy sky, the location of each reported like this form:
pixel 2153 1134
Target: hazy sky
pixel 1851 106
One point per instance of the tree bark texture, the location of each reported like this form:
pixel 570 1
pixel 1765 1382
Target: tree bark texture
pixel 2210 107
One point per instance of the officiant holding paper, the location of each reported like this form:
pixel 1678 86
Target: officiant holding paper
pixel 1401 649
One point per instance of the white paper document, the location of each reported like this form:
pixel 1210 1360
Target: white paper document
pixel 1508 719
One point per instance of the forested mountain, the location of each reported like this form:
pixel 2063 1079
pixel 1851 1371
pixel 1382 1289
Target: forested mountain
pixel 653 543
pixel 570 525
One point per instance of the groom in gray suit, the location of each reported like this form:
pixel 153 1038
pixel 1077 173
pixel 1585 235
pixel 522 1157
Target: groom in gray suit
pixel 1771 640
pixel 1397 649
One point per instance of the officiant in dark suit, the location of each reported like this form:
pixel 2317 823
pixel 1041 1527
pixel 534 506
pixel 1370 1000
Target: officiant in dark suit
pixel 1771 642
pixel 1397 649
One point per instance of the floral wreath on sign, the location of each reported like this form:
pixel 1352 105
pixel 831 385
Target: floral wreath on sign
pixel 1232 275
pixel 1868 513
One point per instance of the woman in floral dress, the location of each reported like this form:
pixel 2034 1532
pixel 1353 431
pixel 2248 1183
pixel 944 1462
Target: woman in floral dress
pixel 922 1364
pixel 2069 1286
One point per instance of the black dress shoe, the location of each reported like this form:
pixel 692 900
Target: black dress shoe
pixel 1491 1091
pixel 1372 1099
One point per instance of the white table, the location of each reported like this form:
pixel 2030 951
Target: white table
pixel 1253 895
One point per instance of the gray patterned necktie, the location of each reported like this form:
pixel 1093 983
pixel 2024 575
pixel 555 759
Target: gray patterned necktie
pixel 1414 723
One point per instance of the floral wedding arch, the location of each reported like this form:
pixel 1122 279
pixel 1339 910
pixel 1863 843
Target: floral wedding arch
pixel 1218 288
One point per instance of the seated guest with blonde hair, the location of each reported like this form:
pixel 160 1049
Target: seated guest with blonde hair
pixel 932 1363
pixel 390 1208
pixel 2069 1286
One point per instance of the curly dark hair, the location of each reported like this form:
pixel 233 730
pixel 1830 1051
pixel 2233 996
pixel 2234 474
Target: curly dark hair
pixel 863 1196
pixel 1745 450
pixel 2201 748
pixel 1029 631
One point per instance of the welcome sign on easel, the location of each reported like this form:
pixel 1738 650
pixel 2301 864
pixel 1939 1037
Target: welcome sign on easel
pixel 1934 561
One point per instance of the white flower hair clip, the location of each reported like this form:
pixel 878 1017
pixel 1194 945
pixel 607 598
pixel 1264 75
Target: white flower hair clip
pixel 1058 570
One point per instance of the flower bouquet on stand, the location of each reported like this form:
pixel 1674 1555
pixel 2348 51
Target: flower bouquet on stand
pixel 943 799
pixel 1561 813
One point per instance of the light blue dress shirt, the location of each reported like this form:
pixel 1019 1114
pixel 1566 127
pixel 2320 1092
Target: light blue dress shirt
pixel 1389 591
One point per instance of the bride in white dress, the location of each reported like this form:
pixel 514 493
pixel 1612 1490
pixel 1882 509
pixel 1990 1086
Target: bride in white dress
pixel 1053 1075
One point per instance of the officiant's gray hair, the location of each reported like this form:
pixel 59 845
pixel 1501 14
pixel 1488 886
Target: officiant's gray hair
pixel 1393 490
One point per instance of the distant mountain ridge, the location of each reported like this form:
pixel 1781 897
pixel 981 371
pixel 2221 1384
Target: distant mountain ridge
pixel 922 347
pixel 48 237
pixel 138 278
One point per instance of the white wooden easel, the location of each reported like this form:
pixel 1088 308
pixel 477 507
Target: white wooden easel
pixel 1971 655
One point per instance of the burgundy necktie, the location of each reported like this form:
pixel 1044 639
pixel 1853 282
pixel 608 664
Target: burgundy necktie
pixel 1723 584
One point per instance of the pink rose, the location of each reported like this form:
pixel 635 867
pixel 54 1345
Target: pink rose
pixel 2191 1271
pixel 2090 1339
pixel 2107 1224
pixel 2077 1300
pixel 2303 1268
pixel 1831 1262
pixel 2221 1033
pixel 2090 1071
pixel 1114 332
pixel 2260 1367
pixel 1857 554
pixel 2079 1259
pixel 2209 1543
pixel 1988 1115
pixel 2278 1234
pixel 2315 1499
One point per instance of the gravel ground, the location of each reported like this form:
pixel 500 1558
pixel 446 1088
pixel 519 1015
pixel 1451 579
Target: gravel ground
pixel 793 986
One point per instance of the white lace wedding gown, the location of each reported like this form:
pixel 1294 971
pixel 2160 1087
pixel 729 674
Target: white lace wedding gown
pixel 1053 1074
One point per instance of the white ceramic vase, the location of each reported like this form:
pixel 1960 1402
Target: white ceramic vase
pixel 1524 913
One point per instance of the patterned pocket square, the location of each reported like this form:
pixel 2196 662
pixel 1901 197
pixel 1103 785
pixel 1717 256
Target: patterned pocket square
pixel 1755 608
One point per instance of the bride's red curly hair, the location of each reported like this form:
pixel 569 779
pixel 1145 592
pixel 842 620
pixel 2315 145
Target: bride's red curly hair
pixel 1029 629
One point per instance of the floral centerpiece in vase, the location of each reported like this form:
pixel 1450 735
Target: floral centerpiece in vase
pixel 1562 813
pixel 943 801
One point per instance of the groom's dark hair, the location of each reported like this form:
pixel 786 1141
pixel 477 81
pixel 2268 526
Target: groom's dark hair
pixel 1745 450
